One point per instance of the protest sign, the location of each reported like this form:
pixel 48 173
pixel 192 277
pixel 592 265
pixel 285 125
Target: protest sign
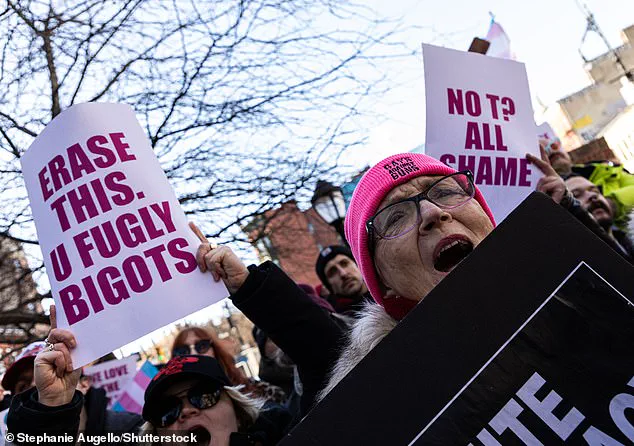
pixel 480 118
pixel 112 376
pixel 530 340
pixel 132 397
pixel 119 255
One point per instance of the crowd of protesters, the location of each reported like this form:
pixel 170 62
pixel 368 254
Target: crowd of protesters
pixel 405 235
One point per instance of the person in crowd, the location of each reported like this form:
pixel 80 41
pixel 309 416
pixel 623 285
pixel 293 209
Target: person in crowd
pixel 62 400
pixel 339 273
pixel 615 183
pixel 407 228
pixel 277 305
pixel 190 395
pixel 199 341
pixel 592 200
pixel 278 369
pixel 275 366
pixel 19 375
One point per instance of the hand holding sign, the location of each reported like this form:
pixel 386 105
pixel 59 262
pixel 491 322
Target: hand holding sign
pixel 551 183
pixel 53 370
pixel 114 238
pixel 221 261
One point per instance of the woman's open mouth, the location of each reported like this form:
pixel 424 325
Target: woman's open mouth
pixel 201 436
pixel 450 251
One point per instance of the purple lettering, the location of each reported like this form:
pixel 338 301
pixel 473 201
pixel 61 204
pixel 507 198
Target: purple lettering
pixel 75 308
pixel 175 248
pixel 454 99
pixel 137 273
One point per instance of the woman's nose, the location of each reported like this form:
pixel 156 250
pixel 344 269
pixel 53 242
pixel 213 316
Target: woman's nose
pixel 187 411
pixel 431 215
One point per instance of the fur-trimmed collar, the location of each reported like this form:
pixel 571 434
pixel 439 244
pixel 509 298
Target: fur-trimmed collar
pixel 367 331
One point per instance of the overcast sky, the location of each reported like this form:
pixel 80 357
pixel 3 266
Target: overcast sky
pixel 544 34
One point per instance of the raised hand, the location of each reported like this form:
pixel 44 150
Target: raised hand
pixel 55 379
pixel 221 261
pixel 551 183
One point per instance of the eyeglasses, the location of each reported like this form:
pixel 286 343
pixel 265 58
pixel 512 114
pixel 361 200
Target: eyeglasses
pixel 201 348
pixel 166 411
pixel 397 219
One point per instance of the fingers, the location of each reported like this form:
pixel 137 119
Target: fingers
pixel 544 155
pixel 214 262
pixel 54 359
pixel 198 232
pixel 53 317
pixel 64 336
pixel 61 347
pixel 203 249
pixel 542 165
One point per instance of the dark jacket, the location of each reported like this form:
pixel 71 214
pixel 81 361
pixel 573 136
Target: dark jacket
pixel 624 245
pixel 300 327
pixel 268 429
pixel 349 306
pixel 28 416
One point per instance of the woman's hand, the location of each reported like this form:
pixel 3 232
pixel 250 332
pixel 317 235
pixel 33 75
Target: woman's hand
pixel 221 261
pixel 55 379
pixel 551 183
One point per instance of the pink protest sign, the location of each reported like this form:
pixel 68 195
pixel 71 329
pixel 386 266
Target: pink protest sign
pixel 480 118
pixel 112 376
pixel 116 246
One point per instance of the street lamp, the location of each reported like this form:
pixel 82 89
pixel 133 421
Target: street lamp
pixel 329 204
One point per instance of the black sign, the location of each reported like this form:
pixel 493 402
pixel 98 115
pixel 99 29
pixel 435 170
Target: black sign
pixel 530 340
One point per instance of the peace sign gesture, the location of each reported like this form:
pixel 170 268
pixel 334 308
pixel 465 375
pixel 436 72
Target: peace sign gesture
pixel 551 183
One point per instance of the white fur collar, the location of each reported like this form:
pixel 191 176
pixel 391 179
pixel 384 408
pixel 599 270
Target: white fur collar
pixel 367 331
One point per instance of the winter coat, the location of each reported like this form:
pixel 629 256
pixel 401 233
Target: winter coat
pixel 624 245
pixel 371 326
pixel 306 332
pixel 29 416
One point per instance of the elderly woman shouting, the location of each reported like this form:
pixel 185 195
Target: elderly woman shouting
pixel 410 222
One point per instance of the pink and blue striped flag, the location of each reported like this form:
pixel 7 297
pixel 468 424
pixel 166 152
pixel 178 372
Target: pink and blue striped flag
pixel 500 42
pixel 131 399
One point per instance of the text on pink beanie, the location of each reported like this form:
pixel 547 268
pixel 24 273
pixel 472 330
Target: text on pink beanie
pixel 375 184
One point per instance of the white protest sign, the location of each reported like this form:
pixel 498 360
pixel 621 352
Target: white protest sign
pixel 480 118
pixel 117 249
pixel 546 134
pixel 112 376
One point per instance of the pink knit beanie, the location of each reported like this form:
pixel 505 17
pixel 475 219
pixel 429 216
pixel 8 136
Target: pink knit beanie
pixel 371 190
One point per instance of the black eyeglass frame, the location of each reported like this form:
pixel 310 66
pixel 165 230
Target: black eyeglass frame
pixel 369 224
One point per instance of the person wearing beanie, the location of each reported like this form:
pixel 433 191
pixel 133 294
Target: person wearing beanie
pixel 339 273
pixel 411 221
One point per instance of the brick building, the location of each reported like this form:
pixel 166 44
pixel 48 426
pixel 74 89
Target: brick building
pixel 292 238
